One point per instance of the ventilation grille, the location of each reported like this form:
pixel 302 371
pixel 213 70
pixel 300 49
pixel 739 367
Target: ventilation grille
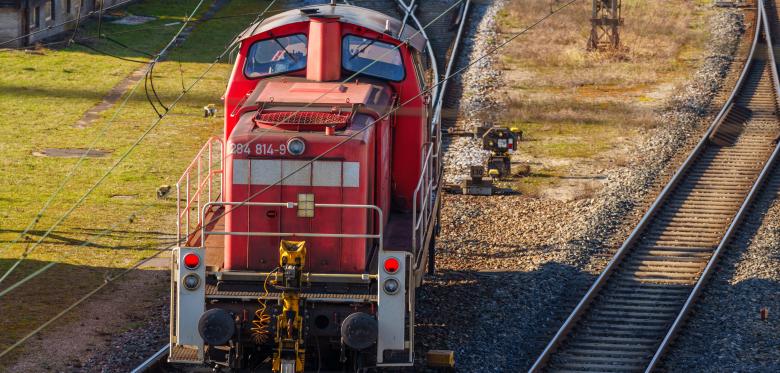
pixel 303 121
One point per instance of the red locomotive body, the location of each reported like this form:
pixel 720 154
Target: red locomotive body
pixel 328 198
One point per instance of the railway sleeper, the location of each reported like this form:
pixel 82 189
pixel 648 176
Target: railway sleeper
pixel 679 242
pixel 607 346
pixel 675 248
pixel 689 222
pixel 664 273
pixel 607 352
pixel 695 215
pixel 684 237
pixel 685 227
pixel 573 358
pixel 698 207
pixel 657 264
pixel 680 253
pixel 569 357
pixel 612 300
pixel 637 308
pixel 583 368
pixel 638 265
pixel 727 205
pixel 638 293
pixel 627 341
pixel 632 320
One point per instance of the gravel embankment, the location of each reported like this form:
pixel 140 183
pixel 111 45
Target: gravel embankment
pixel 511 268
pixel 480 102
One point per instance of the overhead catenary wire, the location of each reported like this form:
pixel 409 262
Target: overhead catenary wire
pixel 162 115
pixel 309 104
pixel 459 71
pixel 111 279
pixel 139 29
pixel 80 161
pixel 50 27
pixel 51 198
pixel 490 52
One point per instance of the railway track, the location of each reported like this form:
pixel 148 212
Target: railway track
pixel 444 35
pixel 632 312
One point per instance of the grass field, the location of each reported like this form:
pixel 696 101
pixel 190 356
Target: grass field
pixel 43 94
pixel 585 108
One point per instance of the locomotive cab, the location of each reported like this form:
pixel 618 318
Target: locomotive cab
pixel 314 213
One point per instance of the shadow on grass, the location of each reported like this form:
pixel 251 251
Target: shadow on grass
pixel 68 237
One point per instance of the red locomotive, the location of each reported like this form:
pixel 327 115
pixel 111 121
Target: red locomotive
pixel 309 225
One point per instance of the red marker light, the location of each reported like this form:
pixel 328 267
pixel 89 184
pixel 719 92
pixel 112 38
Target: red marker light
pixel 392 265
pixel 191 261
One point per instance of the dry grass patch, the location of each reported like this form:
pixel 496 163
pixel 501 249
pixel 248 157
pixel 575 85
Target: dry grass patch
pixel 590 108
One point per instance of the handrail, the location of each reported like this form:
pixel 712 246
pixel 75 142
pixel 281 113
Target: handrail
pixel 735 222
pixel 205 182
pixel 560 335
pixel 421 199
pixel 379 236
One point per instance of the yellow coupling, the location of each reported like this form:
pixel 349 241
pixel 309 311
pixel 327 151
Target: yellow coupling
pixel 290 353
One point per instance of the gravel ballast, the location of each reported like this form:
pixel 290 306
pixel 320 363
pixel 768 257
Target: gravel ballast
pixel 511 268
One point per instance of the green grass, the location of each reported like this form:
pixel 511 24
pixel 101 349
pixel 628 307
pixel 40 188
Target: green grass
pixel 568 140
pixel 42 95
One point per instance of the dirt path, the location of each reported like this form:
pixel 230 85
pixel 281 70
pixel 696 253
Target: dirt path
pixel 115 94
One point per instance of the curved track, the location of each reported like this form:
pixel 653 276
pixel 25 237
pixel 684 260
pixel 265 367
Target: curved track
pixel 631 313
pixel 444 36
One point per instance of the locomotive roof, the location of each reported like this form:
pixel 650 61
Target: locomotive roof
pixel 359 16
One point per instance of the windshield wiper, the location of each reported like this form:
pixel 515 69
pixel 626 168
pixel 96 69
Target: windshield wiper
pixel 361 50
pixel 285 50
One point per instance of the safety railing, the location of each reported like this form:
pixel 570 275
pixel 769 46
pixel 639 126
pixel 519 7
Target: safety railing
pixel 290 205
pixel 201 183
pixel 423 201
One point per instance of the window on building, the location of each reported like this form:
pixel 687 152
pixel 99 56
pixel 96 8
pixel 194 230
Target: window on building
pixel 36 17
pixel 69 6
pixel 50 10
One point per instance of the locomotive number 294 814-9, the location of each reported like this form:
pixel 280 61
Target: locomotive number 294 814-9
pixel 259 149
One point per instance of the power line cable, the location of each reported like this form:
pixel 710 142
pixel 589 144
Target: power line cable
pixel 121 274
pixel 370 125
pixel 47 28
pixel 139 29
pixel 161 116
pixel 46 267
pixel 90 190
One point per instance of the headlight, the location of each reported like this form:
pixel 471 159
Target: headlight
pixel 191 281
pixel 391 286
pixel 296 146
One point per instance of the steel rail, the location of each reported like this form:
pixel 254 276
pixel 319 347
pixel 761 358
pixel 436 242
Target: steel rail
pixel 647 218
pixel 152 361
pixel 743 210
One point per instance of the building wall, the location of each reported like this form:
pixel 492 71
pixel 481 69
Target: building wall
pixel 10 26
pixel 48 18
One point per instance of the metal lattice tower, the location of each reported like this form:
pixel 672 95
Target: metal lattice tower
pixel 605 25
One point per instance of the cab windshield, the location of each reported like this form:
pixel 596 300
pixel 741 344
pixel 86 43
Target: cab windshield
pixel 379 59
pixel 276 56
